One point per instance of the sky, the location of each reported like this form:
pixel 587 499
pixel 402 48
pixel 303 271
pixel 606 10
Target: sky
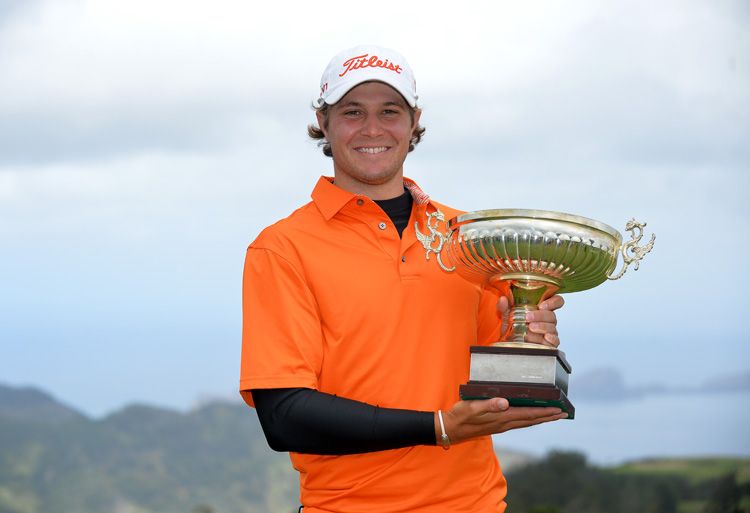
pixel 144 144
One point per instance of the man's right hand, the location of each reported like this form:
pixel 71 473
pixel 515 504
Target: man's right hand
pixel 470 419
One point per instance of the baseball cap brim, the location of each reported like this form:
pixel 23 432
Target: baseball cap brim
pixel 335 95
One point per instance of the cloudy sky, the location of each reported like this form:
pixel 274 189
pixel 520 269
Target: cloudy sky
pixel 144 144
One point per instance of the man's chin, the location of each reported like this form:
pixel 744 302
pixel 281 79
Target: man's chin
pixel 377 178
pixel 373 177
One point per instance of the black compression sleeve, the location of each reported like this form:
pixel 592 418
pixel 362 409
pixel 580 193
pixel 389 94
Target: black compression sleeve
pixel 307 421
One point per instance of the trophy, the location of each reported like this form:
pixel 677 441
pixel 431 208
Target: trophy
pixel 528 255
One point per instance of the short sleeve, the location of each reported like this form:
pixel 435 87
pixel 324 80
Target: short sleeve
pixel 281 330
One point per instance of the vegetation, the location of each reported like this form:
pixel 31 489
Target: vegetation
pixel 144 460
pixel 565 482
pixel 215 460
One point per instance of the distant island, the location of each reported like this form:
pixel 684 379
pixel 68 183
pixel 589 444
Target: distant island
pixel 214 459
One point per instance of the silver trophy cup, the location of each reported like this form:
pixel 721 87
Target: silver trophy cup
pixel 529 255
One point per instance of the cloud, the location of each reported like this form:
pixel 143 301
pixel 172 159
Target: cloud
pixel 101 80
pixel 11 10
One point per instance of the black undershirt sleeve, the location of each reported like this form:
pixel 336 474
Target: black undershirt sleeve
pixel 307 421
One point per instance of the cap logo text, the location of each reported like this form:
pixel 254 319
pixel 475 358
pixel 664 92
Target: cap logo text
pixel 366 61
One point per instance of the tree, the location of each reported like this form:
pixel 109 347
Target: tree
pixel 726 496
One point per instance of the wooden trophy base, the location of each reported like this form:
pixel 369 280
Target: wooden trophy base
pixel 525 377
pixel 519 394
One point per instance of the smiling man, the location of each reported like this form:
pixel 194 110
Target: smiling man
pixel 354 345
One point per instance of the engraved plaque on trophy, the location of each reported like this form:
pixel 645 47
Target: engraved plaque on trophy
pixel 529 255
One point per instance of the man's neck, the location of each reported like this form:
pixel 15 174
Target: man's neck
pixel 393 188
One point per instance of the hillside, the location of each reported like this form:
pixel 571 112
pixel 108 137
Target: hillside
pixel 27 403
pixel 141 460
pixel 214 459
pixel 567 483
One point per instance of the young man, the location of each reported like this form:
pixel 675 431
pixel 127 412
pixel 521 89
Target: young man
pixel 354 345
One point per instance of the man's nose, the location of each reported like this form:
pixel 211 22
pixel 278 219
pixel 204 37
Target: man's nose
pixel 372 126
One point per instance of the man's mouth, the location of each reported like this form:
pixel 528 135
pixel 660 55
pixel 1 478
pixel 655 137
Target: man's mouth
pixel 376 149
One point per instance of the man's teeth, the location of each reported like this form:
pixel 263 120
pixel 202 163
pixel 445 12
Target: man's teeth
pixel 379 149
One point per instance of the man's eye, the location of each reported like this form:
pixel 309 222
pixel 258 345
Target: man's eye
pixel 351 113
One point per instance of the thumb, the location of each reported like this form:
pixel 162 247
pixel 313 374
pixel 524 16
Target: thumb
pixel 503 305
pixel 503 310
pixel 497 404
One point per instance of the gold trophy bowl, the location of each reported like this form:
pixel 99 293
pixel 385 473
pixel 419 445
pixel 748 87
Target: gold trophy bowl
pixel 529 255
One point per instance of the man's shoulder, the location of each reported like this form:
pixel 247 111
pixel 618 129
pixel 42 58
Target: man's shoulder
pixel 449 212
pixel 281 234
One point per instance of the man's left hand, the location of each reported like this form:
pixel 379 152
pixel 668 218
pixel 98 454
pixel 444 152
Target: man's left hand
pixel 542 322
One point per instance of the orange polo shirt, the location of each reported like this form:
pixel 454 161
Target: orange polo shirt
pixel 335 301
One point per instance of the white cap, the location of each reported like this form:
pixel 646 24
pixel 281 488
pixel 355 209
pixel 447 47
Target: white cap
pixel 363 64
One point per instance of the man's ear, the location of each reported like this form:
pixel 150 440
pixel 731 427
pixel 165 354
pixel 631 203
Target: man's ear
pixel 417 115
pixel 321 123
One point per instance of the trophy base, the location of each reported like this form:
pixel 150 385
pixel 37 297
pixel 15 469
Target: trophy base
pixel 519 394
pixel 537 365
pixel 526 376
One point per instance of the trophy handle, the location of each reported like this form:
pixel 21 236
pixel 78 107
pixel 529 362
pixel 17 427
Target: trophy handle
pixel 428 241
pixel 631 252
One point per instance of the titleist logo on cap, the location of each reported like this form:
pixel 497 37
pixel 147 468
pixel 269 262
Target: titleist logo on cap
pixel 366 61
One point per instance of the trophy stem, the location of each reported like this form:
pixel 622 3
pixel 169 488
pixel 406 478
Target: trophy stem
pixel 519 326
pixel 526 291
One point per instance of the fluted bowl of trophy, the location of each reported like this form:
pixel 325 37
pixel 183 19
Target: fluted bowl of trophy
pixel 528 255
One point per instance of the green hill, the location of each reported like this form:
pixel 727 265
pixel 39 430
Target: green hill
pixel 717 484
pixel 215 459
pixel 143 460
pixel 567 483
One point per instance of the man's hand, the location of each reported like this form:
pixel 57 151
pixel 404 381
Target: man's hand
pixel 542 322
pixel 470 419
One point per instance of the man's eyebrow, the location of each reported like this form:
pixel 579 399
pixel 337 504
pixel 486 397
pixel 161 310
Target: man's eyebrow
pixel 389 103
pixel 350 103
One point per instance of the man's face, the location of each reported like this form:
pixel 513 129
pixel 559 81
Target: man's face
pixel 369 130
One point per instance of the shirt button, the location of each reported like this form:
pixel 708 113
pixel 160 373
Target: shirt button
pixel 381 225
pixel 360 202
pixel 403 258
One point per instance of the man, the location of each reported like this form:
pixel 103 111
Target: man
pixel 354 345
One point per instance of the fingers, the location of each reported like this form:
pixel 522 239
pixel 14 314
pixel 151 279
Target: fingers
pixel 541 316
pixel 521 417
pixel 552 303
pixel 543 323
pixel 547 339
pixel 542 327
pixel 543 333
pixel 531 413
pixel 469 419
pixel 534 421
